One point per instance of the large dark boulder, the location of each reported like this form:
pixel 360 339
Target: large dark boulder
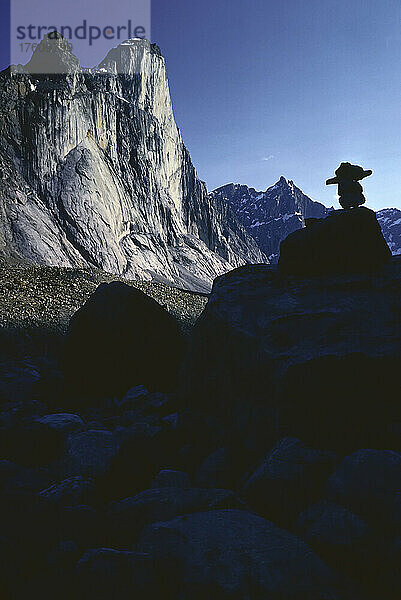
pixel 128 517
pixel 368 482
pixel 144 451
pixel 120 338
pixel 339 536
pixel 235 554
pixel 350 401
pixel 289 478
pixel 315 358
pixel 218 470
pixel 346 241
pixel 64 422
pixel 332 525
pixel 90 452
pixel 365 552
pixel 18 380
pixel 107 573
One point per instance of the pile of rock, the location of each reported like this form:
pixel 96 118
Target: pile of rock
pixel 271 471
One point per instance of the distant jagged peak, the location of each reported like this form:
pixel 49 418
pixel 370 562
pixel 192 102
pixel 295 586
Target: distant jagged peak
pixel 286 185
pixel 237 189
pixel 282 187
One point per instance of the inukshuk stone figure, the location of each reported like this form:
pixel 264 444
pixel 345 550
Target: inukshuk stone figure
pixel 350 190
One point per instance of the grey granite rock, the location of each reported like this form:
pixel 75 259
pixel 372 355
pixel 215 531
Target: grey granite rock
pixel 316 358
pixel 94 172
pixel 234 552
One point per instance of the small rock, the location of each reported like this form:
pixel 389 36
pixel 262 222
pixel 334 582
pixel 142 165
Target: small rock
pixel 74 490
pixel 64 422
pixel 90 452
pixel 106 573
pixel 129 516
pixel 368 482
pixel 289 478
pixel 216 471
pixel 133 397
pixel 332 525
pixel 233 551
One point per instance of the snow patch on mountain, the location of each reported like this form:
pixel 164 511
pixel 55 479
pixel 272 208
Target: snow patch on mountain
pixel 271 215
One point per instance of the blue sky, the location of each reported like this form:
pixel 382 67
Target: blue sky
pixel 262 89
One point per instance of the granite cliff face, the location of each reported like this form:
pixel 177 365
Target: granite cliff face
pixel 271 215
pixel 94 172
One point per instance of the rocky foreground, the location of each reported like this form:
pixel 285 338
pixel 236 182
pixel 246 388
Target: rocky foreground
pixel 258 457
pixel 37 303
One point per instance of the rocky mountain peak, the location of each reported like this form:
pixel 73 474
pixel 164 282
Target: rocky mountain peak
pixel 129 56
pixel 53 55
pixel 283 181
pixel 271 215
pixel 96 173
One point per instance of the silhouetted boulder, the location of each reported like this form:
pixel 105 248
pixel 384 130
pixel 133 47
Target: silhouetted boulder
pixel 71 491
pixel 342 538
pixel 289 478
pixel 314 358
pixel 143 452
pixel 90 452
pixel 218 470
pixel 236 553
pixel 368 482
pixel 106 573
pixel 64 422
pixel 346 402
pixel 346 241
pixel 129 516
pixel 366 552
pixel 121 338
pixel 18 380
pixel 333 525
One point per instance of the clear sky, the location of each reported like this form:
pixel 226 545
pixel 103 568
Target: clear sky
pixel 265 88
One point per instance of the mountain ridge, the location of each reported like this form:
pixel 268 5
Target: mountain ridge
pixel 282 208
pixel 271 215
pixel 94 173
